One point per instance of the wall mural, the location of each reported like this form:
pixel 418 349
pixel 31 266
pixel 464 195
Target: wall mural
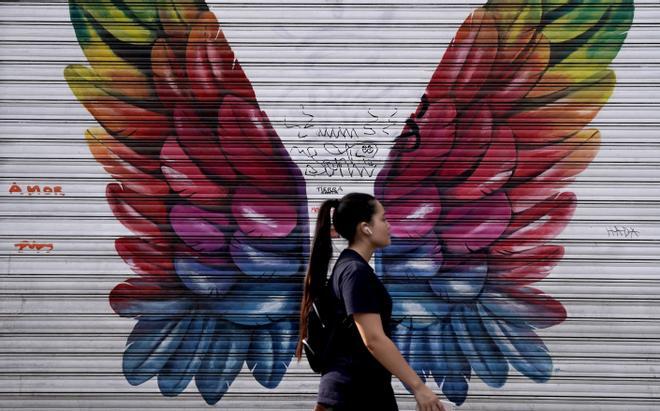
pixel 473 185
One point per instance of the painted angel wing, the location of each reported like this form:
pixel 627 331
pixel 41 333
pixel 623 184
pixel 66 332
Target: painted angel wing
pixel 218 208
pixel 473 187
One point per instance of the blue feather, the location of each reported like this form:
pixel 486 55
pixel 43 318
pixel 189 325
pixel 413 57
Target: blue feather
pixel 410 258
pixel 455 386
pixel 521 347
pixel 436 362
pixel 484 356
pixel 184 363
pixel 256 261
pixel 222 363
pixel 203 279
pixel 257 303
pixel 420 354
pixel 150 346
pixel 154 309
pixel 270 352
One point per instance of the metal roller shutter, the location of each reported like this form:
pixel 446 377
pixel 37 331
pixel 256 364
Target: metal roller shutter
pixel 156 222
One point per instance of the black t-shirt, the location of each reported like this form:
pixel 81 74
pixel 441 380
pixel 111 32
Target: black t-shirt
pixel 357 289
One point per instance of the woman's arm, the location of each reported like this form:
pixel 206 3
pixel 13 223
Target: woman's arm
pixel 383 349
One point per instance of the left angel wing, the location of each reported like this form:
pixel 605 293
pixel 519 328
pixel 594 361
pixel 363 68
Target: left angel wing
pixel 473 187
pixel 217 208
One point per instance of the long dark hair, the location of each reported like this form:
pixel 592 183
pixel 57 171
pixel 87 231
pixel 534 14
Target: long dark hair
pixel 350 210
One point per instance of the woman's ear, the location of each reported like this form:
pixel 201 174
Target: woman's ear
pixel 366 230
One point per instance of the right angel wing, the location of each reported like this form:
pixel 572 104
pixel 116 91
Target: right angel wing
pixel 473 187
pixel 217 207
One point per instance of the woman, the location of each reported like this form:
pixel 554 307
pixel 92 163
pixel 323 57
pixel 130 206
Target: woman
pixel 364 357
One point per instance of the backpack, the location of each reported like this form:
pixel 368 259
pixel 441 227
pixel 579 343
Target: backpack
pixel 322 327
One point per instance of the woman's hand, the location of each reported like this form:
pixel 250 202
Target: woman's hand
pixel 370 327
pixel 427 400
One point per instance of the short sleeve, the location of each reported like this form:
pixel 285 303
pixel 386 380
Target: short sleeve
pixel 360 292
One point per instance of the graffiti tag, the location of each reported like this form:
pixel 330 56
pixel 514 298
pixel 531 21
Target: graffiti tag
pixel 622 232
pixel 346 160
pixel 34 246
pixel 377 124
pixel 329 189
pixel 35 189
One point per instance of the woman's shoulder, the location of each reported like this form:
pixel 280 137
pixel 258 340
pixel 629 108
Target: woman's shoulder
pixel 355 272
pixel 352 266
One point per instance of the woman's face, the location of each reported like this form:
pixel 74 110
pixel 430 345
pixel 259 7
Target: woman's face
pixel 380 227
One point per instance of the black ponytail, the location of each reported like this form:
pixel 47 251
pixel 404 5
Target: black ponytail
pixel 351 210
pixel 317 269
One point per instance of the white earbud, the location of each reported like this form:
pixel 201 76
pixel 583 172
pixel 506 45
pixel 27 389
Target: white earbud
pixel 369 231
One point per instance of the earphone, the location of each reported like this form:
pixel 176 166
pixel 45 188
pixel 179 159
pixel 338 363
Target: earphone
pixel 369 230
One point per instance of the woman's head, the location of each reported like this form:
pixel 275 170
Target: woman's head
pixel 358 218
